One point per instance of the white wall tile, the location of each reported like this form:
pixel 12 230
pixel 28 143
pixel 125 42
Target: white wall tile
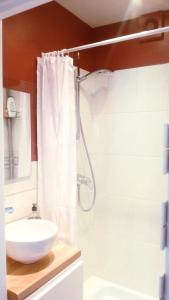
pixel 146 268
pixel 116 131
pixel 146 221
pixel 153 88
pixel 129 176
pixel 122 91
pixel 139 133
pixel 149 128
pixel 149 181
pixel 123 126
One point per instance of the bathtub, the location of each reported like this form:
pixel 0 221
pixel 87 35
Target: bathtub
pixel 96 288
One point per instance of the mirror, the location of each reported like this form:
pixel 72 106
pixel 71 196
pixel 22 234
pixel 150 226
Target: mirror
pixel 17 135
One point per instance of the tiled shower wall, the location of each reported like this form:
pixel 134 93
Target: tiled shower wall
pixel 123 115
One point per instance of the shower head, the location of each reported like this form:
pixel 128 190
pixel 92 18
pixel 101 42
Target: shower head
pixel 100 71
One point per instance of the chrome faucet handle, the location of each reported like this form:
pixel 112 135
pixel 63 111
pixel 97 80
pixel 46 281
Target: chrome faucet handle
pixel 84 180
pixel 9 210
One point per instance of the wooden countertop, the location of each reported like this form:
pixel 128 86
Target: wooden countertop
pixel 23 280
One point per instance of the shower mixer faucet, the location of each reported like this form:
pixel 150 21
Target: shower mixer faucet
pixel 84 180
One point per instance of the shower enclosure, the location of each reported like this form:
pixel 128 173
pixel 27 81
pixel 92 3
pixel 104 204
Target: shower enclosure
pixel 81 179
pixel 123 114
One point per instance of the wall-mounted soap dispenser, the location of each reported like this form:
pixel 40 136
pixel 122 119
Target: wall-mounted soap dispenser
pixel 11 107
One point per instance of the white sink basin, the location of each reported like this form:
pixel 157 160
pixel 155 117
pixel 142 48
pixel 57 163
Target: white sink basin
pixel 29 240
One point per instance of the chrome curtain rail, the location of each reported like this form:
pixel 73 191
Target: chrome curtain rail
pixel 117 40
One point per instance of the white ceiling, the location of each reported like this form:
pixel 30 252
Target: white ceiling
pixel 11 7
pixel 101 12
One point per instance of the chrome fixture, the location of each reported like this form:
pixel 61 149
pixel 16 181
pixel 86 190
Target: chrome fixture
pixel 9 210
pixel 81 179
pixel 84 180
pixel 93 182
pixel 101 71
pixel 117 40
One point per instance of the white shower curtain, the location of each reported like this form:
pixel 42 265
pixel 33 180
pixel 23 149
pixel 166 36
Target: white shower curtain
pixel 56 124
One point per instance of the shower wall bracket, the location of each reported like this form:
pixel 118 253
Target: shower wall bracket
pixel 164 225
pixel 162 285
pixel 164 280
pixel 163 245
pixel 166 149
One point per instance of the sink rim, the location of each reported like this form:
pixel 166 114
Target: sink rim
pixel 19 240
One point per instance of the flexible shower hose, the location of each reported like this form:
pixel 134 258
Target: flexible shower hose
pixel 92 174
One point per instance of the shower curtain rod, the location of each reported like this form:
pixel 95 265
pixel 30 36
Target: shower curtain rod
pixel 117 40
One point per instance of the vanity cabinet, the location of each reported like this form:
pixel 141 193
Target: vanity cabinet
pixel 68 285
pixel 57 276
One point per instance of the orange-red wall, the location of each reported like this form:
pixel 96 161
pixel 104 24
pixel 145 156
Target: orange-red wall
pixel 46 28
pixel 51 27
pixel 132 53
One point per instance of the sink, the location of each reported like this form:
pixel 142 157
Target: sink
pixel 29 240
